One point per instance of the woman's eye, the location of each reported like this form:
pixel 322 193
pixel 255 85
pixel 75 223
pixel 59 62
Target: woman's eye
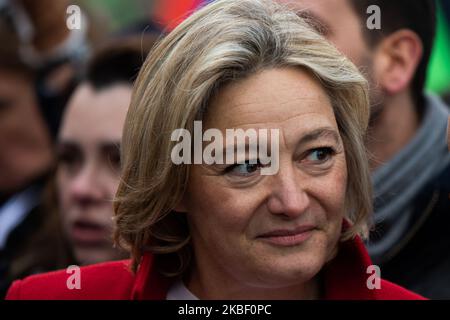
pixel 69 161
pixel 320 155
pixel 114 159
pixel 111 155
pixel 244 169
pixel 67 158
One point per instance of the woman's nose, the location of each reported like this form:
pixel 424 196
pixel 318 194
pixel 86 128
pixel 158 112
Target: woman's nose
pixel 86 186
pixel 288 196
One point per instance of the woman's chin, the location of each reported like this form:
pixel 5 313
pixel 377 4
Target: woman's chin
pixel 294 263
pixel 277 272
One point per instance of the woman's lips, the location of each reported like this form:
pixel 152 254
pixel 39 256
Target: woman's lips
pixel 88 234
pixel 286 237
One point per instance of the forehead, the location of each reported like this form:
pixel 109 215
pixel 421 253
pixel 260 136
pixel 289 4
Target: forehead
pixel 96 114
pixel 273 98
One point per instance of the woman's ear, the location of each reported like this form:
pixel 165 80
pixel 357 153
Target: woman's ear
pixel 396 60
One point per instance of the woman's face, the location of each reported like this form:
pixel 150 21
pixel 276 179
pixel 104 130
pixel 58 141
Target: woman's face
pixel 89 168
pixel 270 231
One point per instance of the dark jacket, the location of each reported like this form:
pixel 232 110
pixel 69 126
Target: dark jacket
pixel 421 261
pixel 36 245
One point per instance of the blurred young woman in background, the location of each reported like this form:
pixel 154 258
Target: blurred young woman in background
pixel 89 148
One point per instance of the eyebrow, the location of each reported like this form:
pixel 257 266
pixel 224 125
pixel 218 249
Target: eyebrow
pixel 320 133
pixel 110 145
pixel 106 145
pixel 67 144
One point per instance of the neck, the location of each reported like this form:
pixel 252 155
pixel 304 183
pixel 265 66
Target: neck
pixel 209 287
pixel 392 128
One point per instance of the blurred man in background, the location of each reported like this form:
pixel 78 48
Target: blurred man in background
pixel 409 156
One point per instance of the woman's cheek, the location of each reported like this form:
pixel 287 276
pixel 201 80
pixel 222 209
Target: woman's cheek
pixel 330 191
pixel 222 219
pixel 338 184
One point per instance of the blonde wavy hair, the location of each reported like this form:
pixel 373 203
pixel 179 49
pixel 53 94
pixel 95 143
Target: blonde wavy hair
pixel 225 41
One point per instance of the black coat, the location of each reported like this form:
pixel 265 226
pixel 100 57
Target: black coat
pixel 36 245
pixel 421 261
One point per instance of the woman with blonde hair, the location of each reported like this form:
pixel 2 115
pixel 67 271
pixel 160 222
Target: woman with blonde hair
pixel 227 227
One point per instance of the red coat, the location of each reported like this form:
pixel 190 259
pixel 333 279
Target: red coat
pixel 345 278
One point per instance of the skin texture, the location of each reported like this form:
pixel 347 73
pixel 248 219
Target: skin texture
pixel 26 151
pixel 228 209
pixel 89 168
pixel 389 67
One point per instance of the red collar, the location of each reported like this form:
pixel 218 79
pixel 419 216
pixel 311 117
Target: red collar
pixel 345 276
